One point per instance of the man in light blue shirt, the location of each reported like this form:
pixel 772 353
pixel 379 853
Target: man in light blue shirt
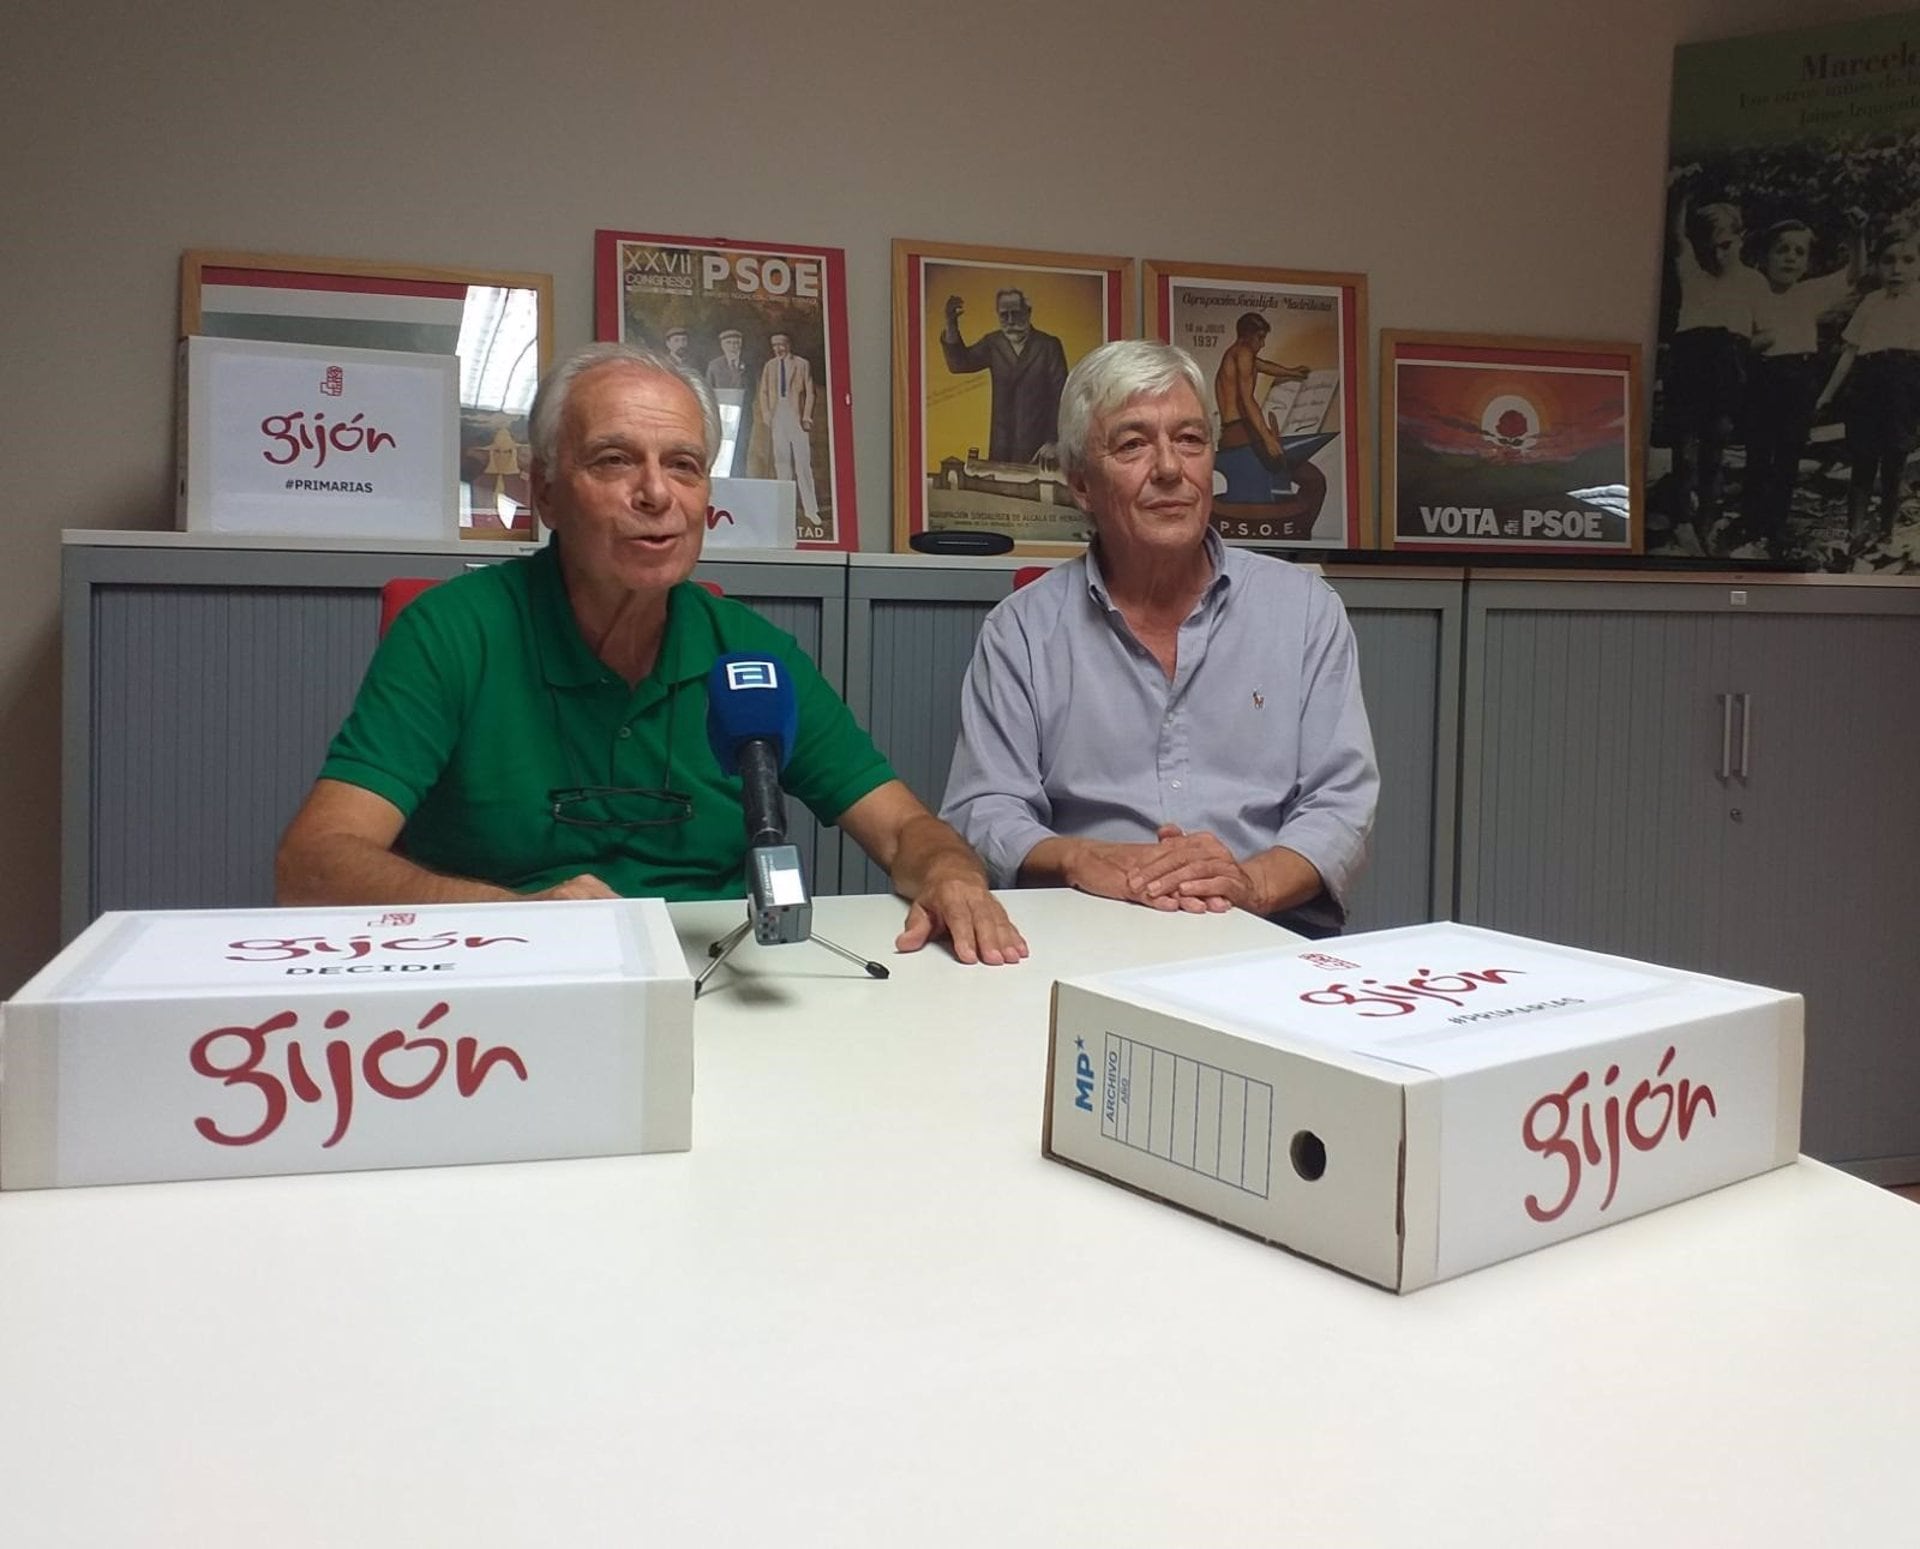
pixel 1165 719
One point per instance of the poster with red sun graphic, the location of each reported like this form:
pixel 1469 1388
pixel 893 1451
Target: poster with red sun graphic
pixel 1509 444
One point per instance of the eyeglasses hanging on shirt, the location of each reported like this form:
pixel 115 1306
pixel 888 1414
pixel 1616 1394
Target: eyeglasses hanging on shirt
pixel 620 806
pixel 624 806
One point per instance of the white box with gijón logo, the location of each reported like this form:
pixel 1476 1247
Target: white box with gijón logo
pixel 212 1044
pixel 317 441
pixel 1412 1104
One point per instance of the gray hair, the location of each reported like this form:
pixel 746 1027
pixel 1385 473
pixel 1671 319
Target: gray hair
pixel 556 387
pixel 1112 375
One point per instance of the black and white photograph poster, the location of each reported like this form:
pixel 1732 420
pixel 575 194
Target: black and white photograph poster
pixel 1786 401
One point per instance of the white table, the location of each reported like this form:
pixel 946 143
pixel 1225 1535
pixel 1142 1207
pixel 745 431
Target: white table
pixel 863 1310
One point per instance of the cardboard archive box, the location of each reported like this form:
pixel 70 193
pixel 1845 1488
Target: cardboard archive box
pixel 203 1044
pixel 1412 1104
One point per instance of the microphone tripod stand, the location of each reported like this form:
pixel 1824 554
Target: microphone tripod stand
pixel 717 952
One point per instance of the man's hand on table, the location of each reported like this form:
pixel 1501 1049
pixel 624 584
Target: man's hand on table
pixel 960 906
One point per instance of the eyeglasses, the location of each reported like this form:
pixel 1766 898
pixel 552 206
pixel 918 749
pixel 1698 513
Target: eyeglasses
pixel 619 806
pixel 644 807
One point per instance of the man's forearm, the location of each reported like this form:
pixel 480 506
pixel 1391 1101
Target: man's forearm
pixel 959 356
pixel 929 851
pixel 1050 863
pixel 1278 371
pixel 1282 879
pixel 347 869
pixel 1106 868
pixel 1092 865
pixel 1255 419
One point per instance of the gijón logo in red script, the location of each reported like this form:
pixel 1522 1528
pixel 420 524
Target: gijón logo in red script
pixel 1546 1127
pixel 292 434
pixel 284 949
pixel 233 1056
pixel 1396 1000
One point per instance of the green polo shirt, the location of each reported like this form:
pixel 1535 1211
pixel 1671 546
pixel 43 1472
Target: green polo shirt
pixel 483 698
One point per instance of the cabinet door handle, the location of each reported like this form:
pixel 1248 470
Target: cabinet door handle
pixel 1726 736
pixel 1746 734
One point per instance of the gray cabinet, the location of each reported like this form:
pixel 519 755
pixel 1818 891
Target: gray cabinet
pixel 1408 633
pixel 1827 742
pixel 1715 775
pixel 910 632
pixel 201 686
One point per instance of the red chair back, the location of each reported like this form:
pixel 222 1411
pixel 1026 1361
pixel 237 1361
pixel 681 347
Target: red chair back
pixel 1027 574
pixel 396 594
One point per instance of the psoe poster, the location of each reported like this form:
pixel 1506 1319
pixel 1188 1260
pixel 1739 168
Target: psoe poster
pixel 997 343
pixel 1494 446
pixel 1279 357
pixel 1284 353
pixel 766 326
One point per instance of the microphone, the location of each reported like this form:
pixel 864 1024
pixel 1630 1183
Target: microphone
pixel 752 721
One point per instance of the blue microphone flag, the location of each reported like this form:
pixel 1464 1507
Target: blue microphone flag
pixel 750 697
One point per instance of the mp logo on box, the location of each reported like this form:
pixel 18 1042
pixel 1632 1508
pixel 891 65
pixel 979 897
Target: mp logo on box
pixel 752 675
pixel 1082 1077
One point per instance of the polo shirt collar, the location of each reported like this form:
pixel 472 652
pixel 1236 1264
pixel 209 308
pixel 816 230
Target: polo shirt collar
pixel 565 661
pixel 692 641
pixel 686 651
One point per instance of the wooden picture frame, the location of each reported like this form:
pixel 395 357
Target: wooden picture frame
pixel 1490 443
pixel 650 288
pixel 499 323
pixel 974 425
pixel 1292 467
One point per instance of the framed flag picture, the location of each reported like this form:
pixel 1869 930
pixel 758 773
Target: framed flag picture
pixel 766 324
pixel 498 324
pixel 1521 445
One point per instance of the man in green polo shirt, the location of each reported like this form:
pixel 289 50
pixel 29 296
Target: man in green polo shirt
pixel 538 728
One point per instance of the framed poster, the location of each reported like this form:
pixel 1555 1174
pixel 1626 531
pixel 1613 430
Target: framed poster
pixel 1286 352
pixel 983 339
pixel 766 324
pixel 1509 444
pixel 499 324
pixel 1786 410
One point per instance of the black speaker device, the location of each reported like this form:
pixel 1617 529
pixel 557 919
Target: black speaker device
pixel 955 542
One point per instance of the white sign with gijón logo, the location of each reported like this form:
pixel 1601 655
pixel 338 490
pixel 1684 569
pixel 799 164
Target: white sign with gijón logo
pixel 310 440
pixel 750 514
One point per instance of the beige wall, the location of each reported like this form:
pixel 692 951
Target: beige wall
pixel 1490 166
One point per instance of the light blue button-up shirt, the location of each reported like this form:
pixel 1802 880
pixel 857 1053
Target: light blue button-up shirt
pixel 1069 726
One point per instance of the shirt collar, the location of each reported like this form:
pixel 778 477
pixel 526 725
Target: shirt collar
pixel 1216 556
pixel 687 649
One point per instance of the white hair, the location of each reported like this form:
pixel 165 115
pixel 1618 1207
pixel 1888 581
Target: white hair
pixel 1112 375
pixel 556 387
